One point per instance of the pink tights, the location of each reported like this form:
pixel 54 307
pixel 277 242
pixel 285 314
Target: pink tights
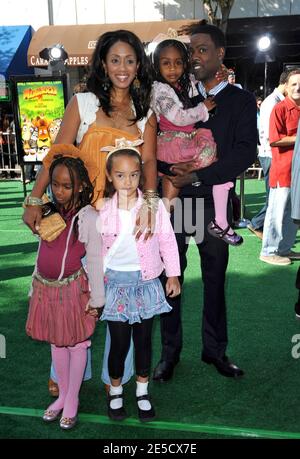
pixel 220 196
pixel 69 364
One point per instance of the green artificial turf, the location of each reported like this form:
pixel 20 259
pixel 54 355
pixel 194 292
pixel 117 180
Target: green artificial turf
pixel 198 402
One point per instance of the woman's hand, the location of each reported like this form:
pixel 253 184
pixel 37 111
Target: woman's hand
pixel 145 222
pixel 32 217
pixel 173 287
pixel 33 214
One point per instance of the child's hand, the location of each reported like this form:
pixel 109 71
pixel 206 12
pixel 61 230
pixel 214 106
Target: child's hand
pixel 173 287
pixel 209 103
pixel 222 73
pixel 94 312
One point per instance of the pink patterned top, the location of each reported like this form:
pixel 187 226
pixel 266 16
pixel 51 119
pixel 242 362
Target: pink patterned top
pixel 170 112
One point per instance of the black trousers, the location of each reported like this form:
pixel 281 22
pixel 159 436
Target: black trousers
pixel 120 333
pixel 214 259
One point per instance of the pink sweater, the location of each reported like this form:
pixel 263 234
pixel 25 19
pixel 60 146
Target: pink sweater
pixel 157 253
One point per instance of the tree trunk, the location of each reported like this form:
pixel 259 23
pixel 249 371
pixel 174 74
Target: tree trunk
pixel 211 8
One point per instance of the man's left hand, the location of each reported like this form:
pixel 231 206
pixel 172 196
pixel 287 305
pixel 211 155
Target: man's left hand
pixel 180 181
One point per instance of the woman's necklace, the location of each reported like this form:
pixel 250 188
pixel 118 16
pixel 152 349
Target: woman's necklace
pixel 122 114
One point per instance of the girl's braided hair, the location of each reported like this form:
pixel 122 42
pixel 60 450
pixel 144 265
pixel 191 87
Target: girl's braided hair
pixel 76 169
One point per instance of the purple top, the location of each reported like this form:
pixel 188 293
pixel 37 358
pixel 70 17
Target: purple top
pixel 50 257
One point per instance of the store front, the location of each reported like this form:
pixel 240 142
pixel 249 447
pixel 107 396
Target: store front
pixel 80 40
pixel 14 43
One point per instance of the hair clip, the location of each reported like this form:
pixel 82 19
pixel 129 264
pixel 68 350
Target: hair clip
pixel 123 144
pixel 171 34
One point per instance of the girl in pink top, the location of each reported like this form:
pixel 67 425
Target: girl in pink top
pixel 179 140
pixel 64 303
pixel 134 294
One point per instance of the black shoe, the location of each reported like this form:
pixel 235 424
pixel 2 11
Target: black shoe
pixel 163 371
pixel 145 415
pixel 117 414
pixel 297 310
pixel 224 366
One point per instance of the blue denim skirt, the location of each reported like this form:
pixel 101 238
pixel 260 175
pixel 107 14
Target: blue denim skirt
pixel 130 298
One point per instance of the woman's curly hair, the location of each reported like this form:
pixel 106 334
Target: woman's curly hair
pixel 99 84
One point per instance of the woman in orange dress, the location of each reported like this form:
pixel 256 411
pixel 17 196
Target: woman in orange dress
pixel 116 106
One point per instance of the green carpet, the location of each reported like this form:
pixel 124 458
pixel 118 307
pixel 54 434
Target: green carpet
pixel 198 402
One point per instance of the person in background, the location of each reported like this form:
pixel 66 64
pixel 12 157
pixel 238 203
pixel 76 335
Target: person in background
pixel 280 231
pixel 231 79
pixel 264 149
pixel 295 200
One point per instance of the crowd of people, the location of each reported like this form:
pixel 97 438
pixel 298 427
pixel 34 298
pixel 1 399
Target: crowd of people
pixel 169 127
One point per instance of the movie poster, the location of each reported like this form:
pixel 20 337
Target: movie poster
pixel 41 106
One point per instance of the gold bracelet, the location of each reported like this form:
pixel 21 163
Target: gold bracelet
pixel 32 201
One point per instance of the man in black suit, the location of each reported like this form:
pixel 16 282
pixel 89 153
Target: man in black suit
pixel 234 129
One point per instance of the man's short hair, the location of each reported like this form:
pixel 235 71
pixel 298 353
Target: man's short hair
pixel 283 77
pixel 202 26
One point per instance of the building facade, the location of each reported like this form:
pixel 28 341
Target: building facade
pixel 248 20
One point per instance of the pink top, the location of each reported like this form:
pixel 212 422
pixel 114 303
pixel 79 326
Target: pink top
pixel 157 253
pixel 51 254
pixel 166 125
pixel 166 104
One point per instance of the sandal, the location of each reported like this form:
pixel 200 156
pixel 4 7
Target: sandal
pixel 67 423
pixel 216 231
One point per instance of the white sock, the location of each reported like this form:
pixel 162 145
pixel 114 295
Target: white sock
pixel 142 389
pixel 117 402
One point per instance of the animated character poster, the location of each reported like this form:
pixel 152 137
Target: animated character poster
pixel 40 108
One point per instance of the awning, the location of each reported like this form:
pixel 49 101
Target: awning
pixel 80 40
pixel 14 42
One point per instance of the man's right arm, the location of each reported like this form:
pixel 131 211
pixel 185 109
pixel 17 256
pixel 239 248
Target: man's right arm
pixel 242 152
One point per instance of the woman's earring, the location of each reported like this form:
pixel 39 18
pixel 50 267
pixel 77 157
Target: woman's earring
pixel 106 83
pixel 136 83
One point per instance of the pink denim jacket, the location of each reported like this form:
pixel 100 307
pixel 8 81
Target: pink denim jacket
pixel 157 253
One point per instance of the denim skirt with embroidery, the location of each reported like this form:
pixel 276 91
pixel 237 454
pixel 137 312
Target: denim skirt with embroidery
pixel 129 298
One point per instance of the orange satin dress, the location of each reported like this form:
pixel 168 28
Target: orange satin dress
pixel 89 150
pixel 93 140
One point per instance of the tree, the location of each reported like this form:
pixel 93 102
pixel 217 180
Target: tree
pixel 211 8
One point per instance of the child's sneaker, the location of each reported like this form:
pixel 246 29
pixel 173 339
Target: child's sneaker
pixel 297 310
pixel 220 233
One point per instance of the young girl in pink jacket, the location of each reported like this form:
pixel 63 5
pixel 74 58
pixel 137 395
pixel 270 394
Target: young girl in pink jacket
pixel 134 294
